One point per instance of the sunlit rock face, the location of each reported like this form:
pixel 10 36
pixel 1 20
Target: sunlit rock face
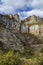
pixel 34 29
pixel 24 28
pixel 33 25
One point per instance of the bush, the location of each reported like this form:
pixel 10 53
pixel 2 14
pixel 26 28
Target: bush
pixel 16 59
pixel 9 59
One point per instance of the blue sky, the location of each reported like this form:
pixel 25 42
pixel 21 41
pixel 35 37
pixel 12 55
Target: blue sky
pixel 24 8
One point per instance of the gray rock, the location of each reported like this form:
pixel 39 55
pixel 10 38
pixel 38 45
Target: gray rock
pixel 11 36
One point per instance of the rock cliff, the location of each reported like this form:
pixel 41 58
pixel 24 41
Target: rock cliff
pixel 11 36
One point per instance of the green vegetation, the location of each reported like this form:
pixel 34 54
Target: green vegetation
pixel 12 58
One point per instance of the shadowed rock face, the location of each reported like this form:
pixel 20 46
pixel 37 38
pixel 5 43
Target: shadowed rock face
pixel 10 22
pixel 11 36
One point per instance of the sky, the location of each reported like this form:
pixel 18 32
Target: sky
pixel 24 8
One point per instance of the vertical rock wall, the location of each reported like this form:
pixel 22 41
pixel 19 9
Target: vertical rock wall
pixel 34 29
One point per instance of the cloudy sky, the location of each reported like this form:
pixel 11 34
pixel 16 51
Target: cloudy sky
pixel 24 8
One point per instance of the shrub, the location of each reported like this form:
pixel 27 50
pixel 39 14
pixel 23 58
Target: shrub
pixel 16 59
pixel 9 59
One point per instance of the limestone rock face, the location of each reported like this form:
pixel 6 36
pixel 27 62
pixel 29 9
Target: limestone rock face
pixel 15 34
pixel 33 25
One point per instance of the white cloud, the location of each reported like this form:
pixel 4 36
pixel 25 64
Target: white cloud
pixel 10 6
pixel 22 3
pixel 37 4
pixel 6 9
pixel 14 3
pixel 30 13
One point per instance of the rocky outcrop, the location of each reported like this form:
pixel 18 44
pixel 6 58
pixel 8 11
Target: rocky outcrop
pixel 33 25
pixel 9 25
pixel 13 33
pixel 10 22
